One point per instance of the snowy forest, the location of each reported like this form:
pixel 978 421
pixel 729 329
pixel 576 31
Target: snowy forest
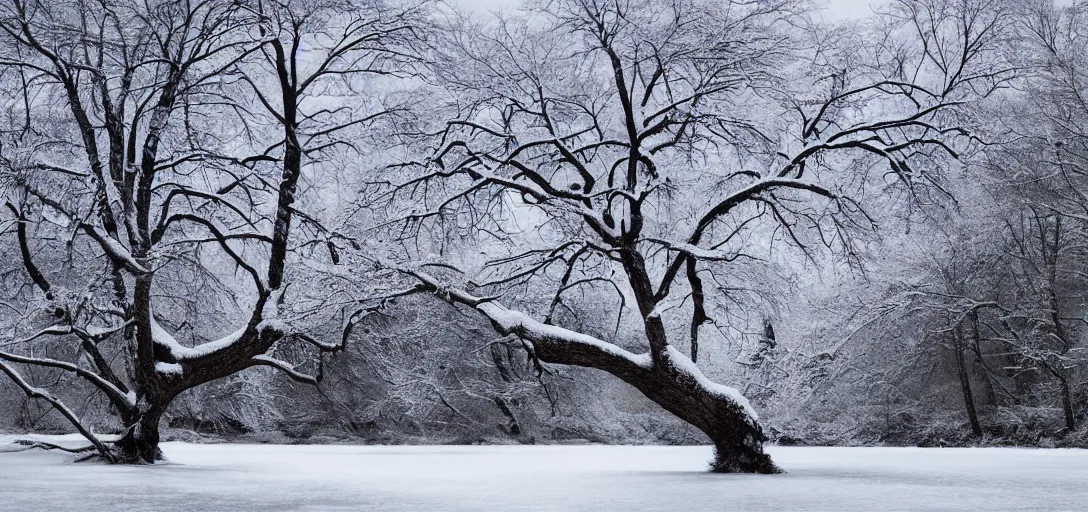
pixel 684 222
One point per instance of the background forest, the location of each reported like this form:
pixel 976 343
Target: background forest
pixel 876 230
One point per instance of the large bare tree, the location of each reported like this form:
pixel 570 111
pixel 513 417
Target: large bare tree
pixel 646 148
pixel 155 181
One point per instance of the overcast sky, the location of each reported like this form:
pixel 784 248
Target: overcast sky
pixel 836 9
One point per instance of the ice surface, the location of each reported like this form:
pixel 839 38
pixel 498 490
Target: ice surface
pixel 250 478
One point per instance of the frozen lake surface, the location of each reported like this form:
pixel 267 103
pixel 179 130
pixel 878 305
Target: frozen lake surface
pixel 246 478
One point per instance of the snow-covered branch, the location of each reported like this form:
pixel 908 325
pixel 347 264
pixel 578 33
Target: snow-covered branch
pixel 507 321
pixel 556 344
pixel 286 368
pixel 35 392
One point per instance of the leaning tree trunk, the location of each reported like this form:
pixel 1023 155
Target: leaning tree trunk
pixel 674 382
pixel 737 437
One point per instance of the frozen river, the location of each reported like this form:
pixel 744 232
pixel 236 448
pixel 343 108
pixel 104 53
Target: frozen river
pixel 245 478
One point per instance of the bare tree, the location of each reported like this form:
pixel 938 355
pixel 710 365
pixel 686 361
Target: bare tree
pixel 1042 168
pixel 1044 246
pixel 650 147
pixel 169 181
pixel 998 303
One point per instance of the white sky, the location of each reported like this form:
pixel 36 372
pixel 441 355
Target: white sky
pixel 835 9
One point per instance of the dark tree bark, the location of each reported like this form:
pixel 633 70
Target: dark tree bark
pixel 1067 404
pixel 674 383
pixel 140 444
pixel 737 438
pixel 965 382
pixel 513 426
pixel 1051 252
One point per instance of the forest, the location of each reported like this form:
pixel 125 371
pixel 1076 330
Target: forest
pixel 724 222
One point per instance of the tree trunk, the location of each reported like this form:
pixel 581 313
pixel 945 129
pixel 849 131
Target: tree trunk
pixel 669 378
pixel 512 427
pixel 975 346
pixel 1067 404
pixel 635 267
pixel 140 444
pixel 737 437
pixel 987 383
pixel 965 384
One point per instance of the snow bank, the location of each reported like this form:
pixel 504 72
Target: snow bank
pixel 7 441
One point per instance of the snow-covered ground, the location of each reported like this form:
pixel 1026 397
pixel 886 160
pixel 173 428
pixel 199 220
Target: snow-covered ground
pixel 244 478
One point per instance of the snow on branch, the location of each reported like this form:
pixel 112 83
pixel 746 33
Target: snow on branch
pixel 269 320
pixel 181 352
pixel 35 392
pixel 115 393
pixel 169 368
pixel 115 250
pixel 508 321
pixel 701 253
pixel 53 330
pixel 99 333
pixel 683 364
pixel 519 323
pixel 285 367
